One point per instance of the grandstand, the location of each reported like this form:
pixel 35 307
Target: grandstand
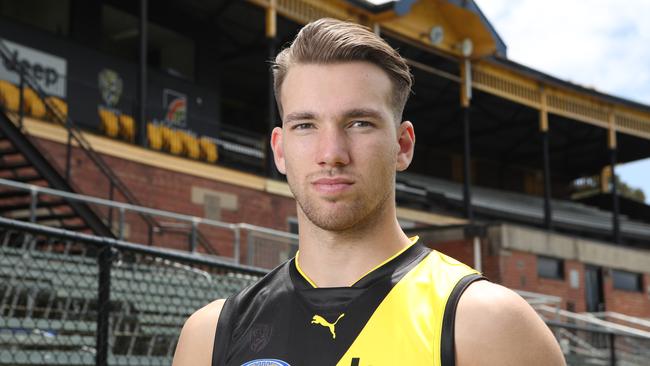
pixel 136 183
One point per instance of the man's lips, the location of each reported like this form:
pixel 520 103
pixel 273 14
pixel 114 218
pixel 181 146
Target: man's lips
pixel 332 185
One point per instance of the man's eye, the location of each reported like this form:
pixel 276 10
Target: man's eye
pixel 361 124
pixel 302 126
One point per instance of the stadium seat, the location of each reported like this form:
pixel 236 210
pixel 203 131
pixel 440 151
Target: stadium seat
pixel 127 127
pixel 154 136
pixel 34 105
pixel 60 109
pixel 209 150
pixel 109 123
pixel 190 145
pixel 9 96
pixel 172 141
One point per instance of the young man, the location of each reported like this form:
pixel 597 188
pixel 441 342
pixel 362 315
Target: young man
pixel 359 291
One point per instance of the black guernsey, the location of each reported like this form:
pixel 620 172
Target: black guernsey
pixel 401 311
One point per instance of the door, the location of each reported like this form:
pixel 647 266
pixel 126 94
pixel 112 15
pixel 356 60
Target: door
pixel 595 298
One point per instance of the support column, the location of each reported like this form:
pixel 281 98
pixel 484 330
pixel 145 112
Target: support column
pixel 472 230
pixel 271 34
pixel 465 97
pixel 611 143
pixel 142 79
pixel 543 128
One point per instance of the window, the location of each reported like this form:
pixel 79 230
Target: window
pixel 628 281
pixel 548 267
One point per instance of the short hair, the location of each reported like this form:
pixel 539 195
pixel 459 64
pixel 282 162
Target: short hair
pixel 328 41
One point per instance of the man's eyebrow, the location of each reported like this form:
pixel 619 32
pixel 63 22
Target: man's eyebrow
pixel 299 116
pixel 362 112
pixel 348 114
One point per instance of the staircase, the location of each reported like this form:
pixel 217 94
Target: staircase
pixel 21 161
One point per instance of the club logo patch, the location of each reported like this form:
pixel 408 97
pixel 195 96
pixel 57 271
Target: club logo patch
pixel 266 362
pixel 260 334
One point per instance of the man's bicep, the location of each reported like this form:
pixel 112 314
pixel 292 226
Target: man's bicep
pixel 197 336
pixel 495 326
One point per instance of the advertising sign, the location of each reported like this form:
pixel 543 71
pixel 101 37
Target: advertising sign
pixel 175 105
pixel 48 70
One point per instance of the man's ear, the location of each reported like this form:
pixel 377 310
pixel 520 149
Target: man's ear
pixel 278 151
pixel 406 142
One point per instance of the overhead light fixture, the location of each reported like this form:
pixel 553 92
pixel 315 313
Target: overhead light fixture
pixel 436 35
pixel 378 2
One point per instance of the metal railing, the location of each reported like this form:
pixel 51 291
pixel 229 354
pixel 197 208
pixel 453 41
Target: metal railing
pixel 587 340
pixel 74 133
pixel 193 222
pixel 72 298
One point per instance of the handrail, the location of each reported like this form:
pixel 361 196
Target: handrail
pixel 589 319
pixel 626 318
pixel 74 132
pixel 122 207
pixel 166 253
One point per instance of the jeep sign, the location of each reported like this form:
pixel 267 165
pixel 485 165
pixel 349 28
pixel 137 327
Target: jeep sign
pixel 48 70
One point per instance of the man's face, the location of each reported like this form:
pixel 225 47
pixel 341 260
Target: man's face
pixel 339 144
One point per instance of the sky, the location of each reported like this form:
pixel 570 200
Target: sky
pixel 601 44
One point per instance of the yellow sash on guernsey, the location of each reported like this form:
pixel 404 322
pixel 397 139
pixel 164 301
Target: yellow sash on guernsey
pixel 406 328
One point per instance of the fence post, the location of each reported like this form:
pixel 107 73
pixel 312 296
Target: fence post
pixel 193 236
pixel 21 97
pixel 104 261
pixel 110 208
pixel 236 249
pixel 33 204
pixel 121 224
pixel 68 154
pixel 612 349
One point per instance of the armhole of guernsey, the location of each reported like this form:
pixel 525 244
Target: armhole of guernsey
pixel 447 343
pixel 222 334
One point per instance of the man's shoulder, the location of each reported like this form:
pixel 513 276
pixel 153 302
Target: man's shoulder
pixel 197 339
pixel 272 283
pixel 494 325
pixel 195 344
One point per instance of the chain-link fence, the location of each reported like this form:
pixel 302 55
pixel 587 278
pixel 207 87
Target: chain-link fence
pixel 76 299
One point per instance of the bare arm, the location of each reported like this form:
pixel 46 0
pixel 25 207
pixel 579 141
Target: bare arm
pixel 495 326
pixel 196 341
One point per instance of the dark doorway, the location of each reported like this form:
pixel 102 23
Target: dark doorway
pixel 595 298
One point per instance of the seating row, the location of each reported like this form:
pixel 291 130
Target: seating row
pixel 33 105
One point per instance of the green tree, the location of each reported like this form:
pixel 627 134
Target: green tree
pixel 628 191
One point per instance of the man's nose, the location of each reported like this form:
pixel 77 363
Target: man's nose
pixel 333 147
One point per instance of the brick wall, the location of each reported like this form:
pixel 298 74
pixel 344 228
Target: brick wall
pixel 172 191
pixel 627 302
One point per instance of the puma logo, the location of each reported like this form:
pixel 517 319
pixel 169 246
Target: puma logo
pixel 317 319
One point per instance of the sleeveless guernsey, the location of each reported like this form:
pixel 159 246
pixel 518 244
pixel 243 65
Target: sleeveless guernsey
pixel 400 313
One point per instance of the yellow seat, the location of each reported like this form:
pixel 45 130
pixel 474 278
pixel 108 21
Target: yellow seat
pixel 190 145
pixel 9 96
pixel 209 150
pixel 154 136
pixel 58 110
pixel 109 123
pixel 126 127
pixel 33 104
pixel 172 141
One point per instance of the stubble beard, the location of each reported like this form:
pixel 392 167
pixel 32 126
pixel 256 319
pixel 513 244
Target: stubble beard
pixel 347 214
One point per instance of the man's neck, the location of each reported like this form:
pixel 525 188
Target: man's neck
pixel 339 259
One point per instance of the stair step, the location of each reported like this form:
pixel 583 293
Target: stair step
pixel 75 227
pixel 25 206
pixel 14 165
pixel 10 150
pixel 11 193
pixel 28 178
pixel 48 217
